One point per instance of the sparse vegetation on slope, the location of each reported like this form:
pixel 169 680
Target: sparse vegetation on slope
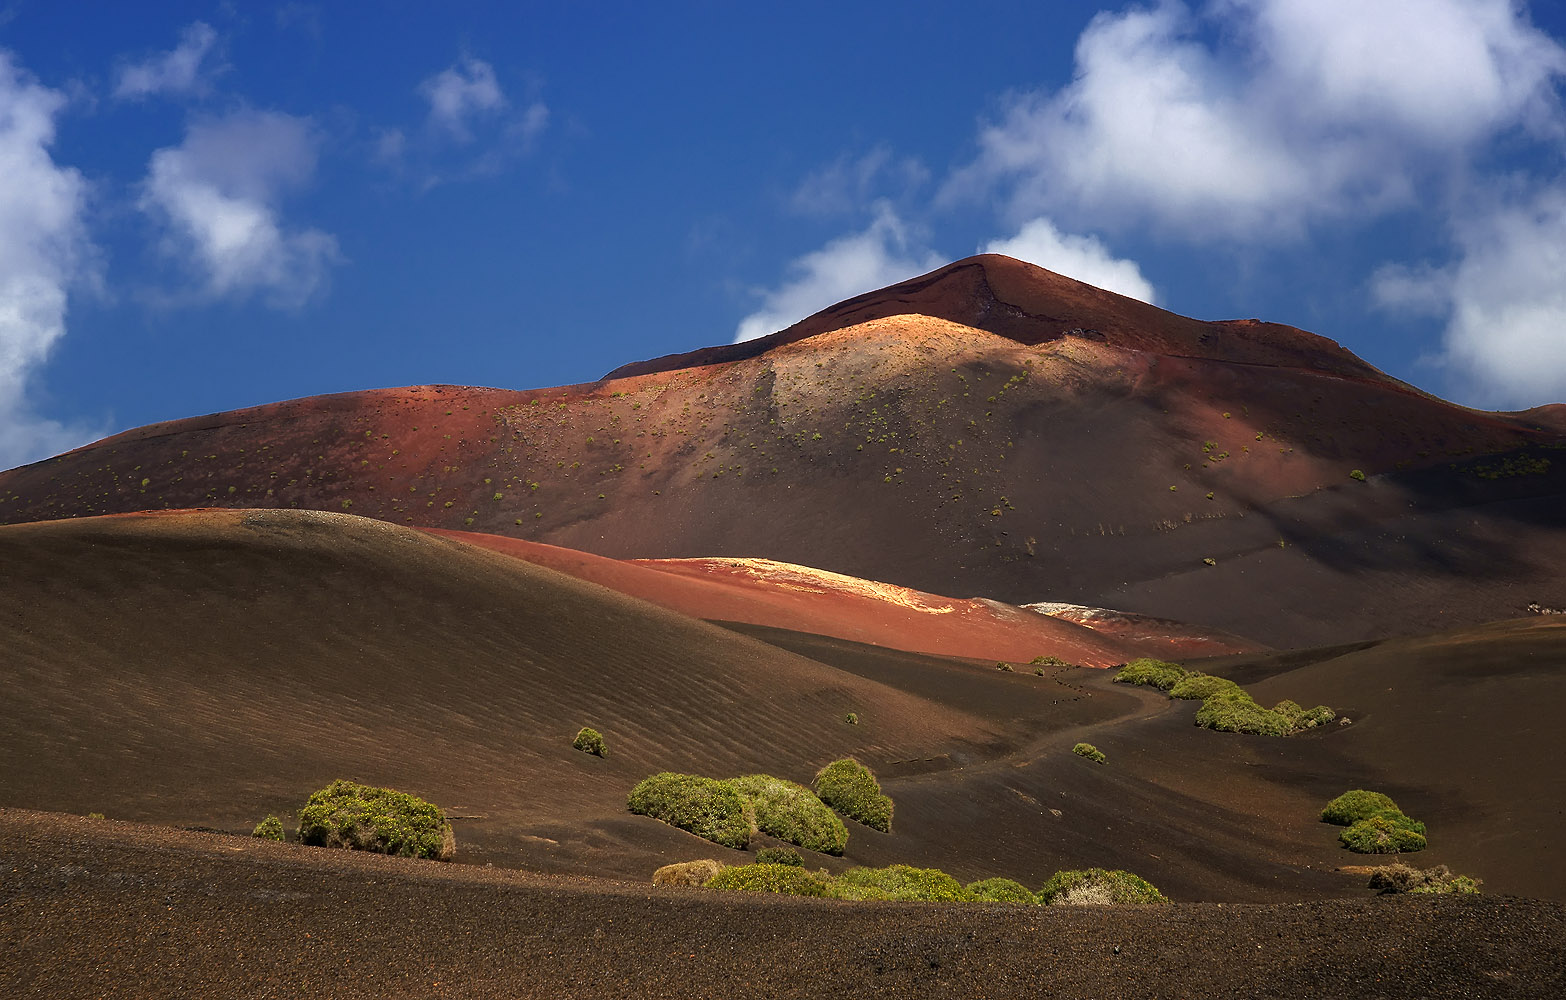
pixel 850 788
pixel 1226 706
pixel 711 809
pixel 1097 886
pixel 367 818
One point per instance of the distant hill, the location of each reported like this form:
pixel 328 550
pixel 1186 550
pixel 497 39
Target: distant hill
pixel 989 430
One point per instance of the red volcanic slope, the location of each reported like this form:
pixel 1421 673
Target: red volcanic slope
pixel 780 595
pixel 1075 447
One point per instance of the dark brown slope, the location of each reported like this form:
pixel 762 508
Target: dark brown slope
pixel 209 668
pixel 115 909
pixel 941 457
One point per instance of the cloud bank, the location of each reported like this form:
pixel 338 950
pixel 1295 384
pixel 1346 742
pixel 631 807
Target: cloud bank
pixel 218 195
pixel 1084 258
pixel 43 250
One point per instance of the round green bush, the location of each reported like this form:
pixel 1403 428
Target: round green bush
pixel 1198 687
pixel 1355 805
pixel 1152 673
pixel 1379 835
pixel 711 809
pixel 367 818
pixel 1398 819
pixel 785 879
pixel 270 828
pixel 590 741
pixel 849 787
pixel 779 856
pixel 898 882
pixel 1095 886
pixel 791 812
pixel 1089 751
pixel 1001 890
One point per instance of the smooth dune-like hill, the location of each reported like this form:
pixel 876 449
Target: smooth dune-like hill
pixel 780 595
pixel 989 430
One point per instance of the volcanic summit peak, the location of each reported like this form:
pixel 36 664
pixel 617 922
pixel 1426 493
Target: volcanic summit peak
pixel 806 579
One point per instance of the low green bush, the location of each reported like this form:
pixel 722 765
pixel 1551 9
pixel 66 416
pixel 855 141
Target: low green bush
pixel 792 812
pixel 1198 687
pixel 1003 665
pixel 898 882
pixel 1439 880
pixel 367 818
pixel 1355 805
pixel 1096 886
pixel 1236 712
pixel 784 879
pixel 849 787
pixel 1300 718
pixel 1399 819
pixel 711 809
pixel 590 741
pixel 779 856
pixel 1049 661
pixel 1152 673
pixel 1001 890
pixel 1089 751
pixel 688 872
pixel 1380 835
pixel 270 828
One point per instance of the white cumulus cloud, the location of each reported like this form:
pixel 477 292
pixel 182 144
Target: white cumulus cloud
pixel 43 250
pixel 219 194
pixel 884 253
pixel 459 94
pixel 174 72
pixel 1307 109
pixel 1504 300
pixel 1084 258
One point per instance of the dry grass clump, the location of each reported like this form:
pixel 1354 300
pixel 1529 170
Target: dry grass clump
pixel 1440 880
pixel 367 818
pixel 849 787
pixel 1097 887
pixel 688 872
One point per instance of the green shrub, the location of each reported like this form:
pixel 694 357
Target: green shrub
pixel 785 879
pixel 1150 672
pixel 1300 718
pixel 1198 687
pixel 1095 886
pixel 1353 806
pixel 590 741
pixel 1380 835
pixel 270 828
pixel 898 882
pixel 779 856
pixel 1357 475
pixel 367 818
pixel 1001 890
pixel 1398 819
pixel 711 809
pixel 1049 661
pixel 1236 712
pixel 852 718
pixel 1003 665
pixel 849 787
pixel 688 872
pixel 1431 881
pixel 791 812
pixel 1089 751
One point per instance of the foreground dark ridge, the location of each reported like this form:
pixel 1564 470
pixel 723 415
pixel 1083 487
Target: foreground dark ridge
pixel 98 908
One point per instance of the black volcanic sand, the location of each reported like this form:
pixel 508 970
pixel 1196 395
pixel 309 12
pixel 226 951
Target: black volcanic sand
pixel 103 908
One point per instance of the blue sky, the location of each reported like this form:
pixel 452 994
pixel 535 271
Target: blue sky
pixel 220 205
